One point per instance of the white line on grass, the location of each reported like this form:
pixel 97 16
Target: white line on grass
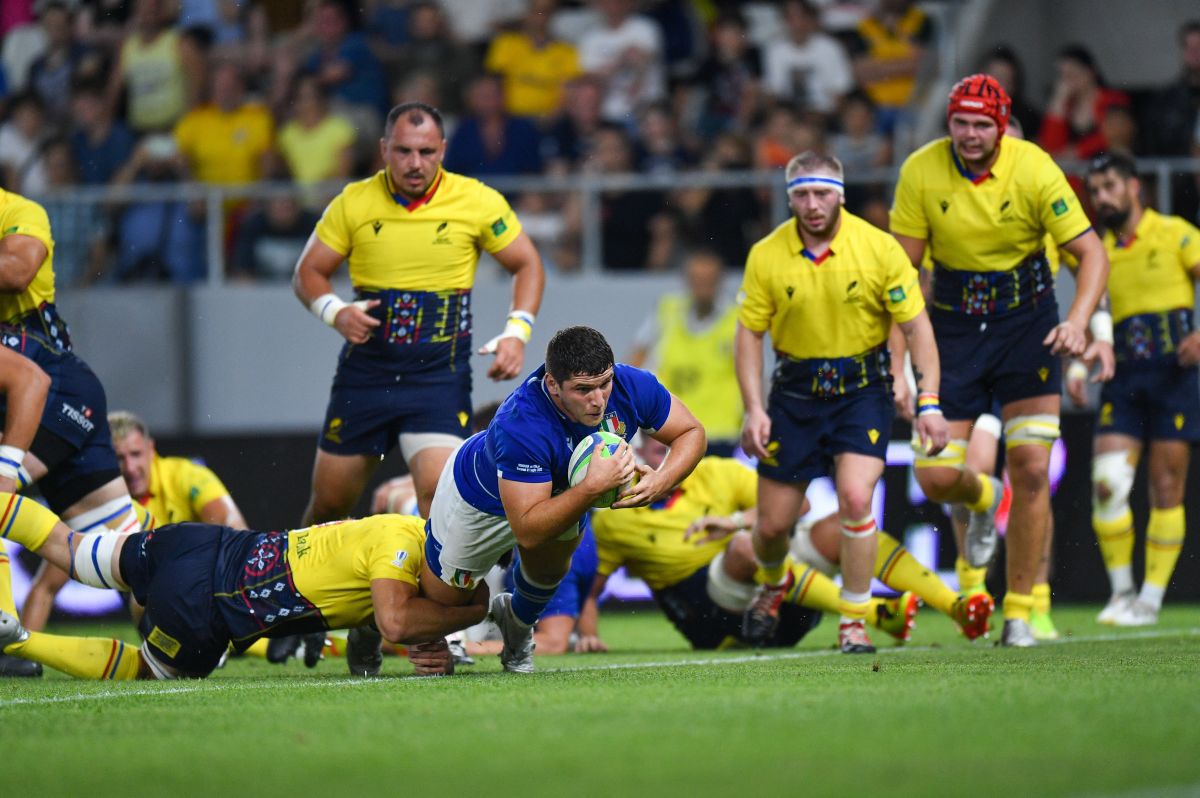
pixel 216 685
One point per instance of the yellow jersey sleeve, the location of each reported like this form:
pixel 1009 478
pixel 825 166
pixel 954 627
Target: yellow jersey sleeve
pixel 498 225
pixel 1062 214
pixel 755 306
pixel 608 554
pixel 902 285
pixel 333 229
pixel 21 216
pixel 1189 245
pixel 907 216
pixel 200 485
pixel 393 559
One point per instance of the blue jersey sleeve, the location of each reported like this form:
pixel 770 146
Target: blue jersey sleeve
pixel 651 401
pixel 521 455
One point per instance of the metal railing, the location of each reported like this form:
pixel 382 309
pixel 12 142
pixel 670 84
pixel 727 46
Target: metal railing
pixel 216 199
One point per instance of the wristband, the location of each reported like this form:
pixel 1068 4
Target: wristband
pixel 519 325
pixel 11 465
pixel 1077 371
pixel 929 403
pixel 1101 327
pixel 739 520
pixel 326 307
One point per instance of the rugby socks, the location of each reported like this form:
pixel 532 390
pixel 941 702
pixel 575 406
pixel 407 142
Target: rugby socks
pixel 1041 598
pixel 1115 537
pixel 771 573
pixel 6 596
pixel 25 521
pixel 1164 541
pixel 81 657
pixel 854 606
pixel 812 589
pixel 1017 606
pixel 529 597
pixel 987 495
pixel 899 570
pixel 970 579
pixel 257 649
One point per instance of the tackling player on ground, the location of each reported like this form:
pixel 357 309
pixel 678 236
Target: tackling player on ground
pixel 828 286
pixel 1154 400
pixel 984 204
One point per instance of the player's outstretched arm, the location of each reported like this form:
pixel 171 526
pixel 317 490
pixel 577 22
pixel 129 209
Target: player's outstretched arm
pixel 748 362
pixel 685 435
pixel 25 387
pixel 538 517
pixel 1070 336
pixel 930 423
pixel 311 282
pixel 404 616
pixel 520 259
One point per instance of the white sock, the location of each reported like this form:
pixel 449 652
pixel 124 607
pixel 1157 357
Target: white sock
pixel 1152 595
pixel 1121 579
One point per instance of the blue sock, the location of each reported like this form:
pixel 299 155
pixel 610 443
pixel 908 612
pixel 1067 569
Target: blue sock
pixel 530 598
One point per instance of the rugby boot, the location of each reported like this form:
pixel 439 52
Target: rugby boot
pixel 761 618
pixel 972 613
pixel 981 537
pixel 364 651
pixel 517 654
pixel 1117 606
pixel 1138 613
pixel 1017 634
pixel 896 616
pixel 281 649
pixel 1042 626
pixel 852 638
pixel 312 645
pixel 15 667
pixel 11 632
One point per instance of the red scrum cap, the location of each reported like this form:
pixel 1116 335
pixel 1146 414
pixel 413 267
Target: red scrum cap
pixel 980 94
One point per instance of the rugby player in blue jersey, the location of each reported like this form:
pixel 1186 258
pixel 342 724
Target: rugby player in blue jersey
pixel 508 484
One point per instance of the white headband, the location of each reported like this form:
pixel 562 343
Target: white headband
pixel 803 180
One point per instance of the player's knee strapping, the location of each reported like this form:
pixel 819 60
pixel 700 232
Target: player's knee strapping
pixel 25 521
pixel 804 550
pixel 92 558
pixel 530 597
pixel 725 591
pixel 858 529
pixel 117 515
pixel 953 456
pixel 1040 429
pixel 1112 482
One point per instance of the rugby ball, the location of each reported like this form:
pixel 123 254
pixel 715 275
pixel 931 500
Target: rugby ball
pixel 582 457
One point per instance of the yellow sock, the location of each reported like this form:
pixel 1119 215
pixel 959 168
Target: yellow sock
pixel 970 579
pixel 81 657
pixel 1116 540
pixel 258 649
pixel 25 521
pixel 813 589
pixel 773 573
pixel 1164 540
pixel 987 495
pixel 6 597
pixel 898 569
pixel 1041 598
pixel 854 610
pixel 1017 606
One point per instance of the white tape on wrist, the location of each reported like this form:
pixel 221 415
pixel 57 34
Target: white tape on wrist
pixel 1077 371
pixel 11 465
pixel 1101 326
pixel 326 307
pixel 518 325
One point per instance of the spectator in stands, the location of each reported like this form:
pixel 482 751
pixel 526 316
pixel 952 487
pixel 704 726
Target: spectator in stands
pixel 858 144
pixel 727 220
pixel 229 139
pixel 473 23
pixel 100 145
pixel 160 70
pixel 784 134
pixel 626 53
pixel 64 60
pixel 490 142
pixel 889 48
pixel 270 239
pixel 807 68
pixel 80 230
pixel 659 148
pixel 682 35
pixel 569 137
pixel 1120 131
pixel 1173 126
pixel 430 49
pixel 315 143
pixel 535 67
pixel 345 65
pixel 730 79
pixel 1072 125
pixel 1002 64
pixel 21 138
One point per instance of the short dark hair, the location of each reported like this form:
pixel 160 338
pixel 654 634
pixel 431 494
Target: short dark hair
pixel 577 352
pixel 1187 29
pixel 415 113
pixel 1118 162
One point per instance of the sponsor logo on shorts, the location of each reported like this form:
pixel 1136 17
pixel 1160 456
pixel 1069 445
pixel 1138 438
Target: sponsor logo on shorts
pixel 873 435
pixel 163 642
pixel 334 431
pixel 463 418
pixel 1106 414
pixel 1044 373
pixel 80 416
pixel 1179 419
pixel 772 449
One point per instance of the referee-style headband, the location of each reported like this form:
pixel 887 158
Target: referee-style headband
pixel 805 180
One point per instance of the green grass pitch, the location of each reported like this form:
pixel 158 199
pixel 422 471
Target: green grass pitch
pixel 1103 713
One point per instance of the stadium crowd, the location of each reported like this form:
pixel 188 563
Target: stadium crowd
pixel 118 92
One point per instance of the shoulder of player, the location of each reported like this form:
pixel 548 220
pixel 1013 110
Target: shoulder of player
pixel 935 152
pixel 363 189
pixel 1177 230
pixel 861 233
pixel 464 185
pixel 1029 159
pixel 774 239
pixel 182 466
pixel 12 204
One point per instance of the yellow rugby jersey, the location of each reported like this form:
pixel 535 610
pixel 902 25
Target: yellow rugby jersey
pixel 429 244
pixel 179 489
pixel 333 564
pixel 226 147
pixel 698 367
pixel 838 305
pixel 1054 256
pixel 1152 271
pixel 534 76
pixel 985 223
pixel 21 216
pixel 649 542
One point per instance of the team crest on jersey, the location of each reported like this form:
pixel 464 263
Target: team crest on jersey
pixel 613 424
pixel 853 296
pixel 945 206
pixel 461 578
pixel 376 226
pixel 442 234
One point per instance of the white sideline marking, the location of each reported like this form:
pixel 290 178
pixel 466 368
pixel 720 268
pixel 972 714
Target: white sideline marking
pixel 275 684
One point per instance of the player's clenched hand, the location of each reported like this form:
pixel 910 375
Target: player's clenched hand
pixel 756 433
pixel 1067 338
pixel 354 323
pixel 710 528
pixel 510 356
pixel 1189 350
pixel 606 473
pixel 933 432
pixel 590 644
pixel 431 659
pixel 649 488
